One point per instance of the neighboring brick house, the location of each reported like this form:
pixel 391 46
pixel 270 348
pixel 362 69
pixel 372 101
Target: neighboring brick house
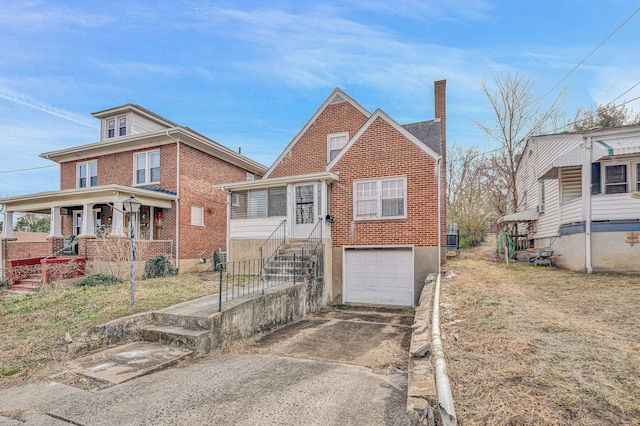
pixel 170 169
pixel 374 188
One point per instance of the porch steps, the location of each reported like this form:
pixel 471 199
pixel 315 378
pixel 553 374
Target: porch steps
pixel 27 285
pixel 282 265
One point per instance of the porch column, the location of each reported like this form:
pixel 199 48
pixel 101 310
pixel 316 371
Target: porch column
pixel 56 223
pixel 117 221
pixel 88 228
pixel 7 226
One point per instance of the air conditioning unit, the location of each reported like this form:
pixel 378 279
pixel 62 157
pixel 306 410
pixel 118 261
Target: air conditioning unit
pixel 540 208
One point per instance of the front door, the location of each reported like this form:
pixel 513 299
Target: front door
pixel 304 210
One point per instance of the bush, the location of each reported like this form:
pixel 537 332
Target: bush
pixel 158 266
pixel 3 284
pixel 98 279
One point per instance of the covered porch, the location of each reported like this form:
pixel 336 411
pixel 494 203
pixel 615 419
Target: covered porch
pixel 92 224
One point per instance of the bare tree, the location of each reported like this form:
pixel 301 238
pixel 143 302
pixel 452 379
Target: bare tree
pixel 467 205
pixel 518 115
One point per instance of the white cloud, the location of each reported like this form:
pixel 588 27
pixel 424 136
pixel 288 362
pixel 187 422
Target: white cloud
pixel 26 100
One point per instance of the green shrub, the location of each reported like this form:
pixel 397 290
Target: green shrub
pixel 98 279
pixel 158 266
pixel 3 284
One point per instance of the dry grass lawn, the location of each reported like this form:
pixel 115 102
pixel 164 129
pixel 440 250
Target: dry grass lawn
pixel 33 327
pixel 529 345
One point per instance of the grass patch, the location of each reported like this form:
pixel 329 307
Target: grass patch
pixel 540 345
pixel 33 327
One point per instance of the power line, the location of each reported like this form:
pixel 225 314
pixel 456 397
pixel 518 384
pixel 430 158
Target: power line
pixel 590 54
pixel 627 91
pixel 26 170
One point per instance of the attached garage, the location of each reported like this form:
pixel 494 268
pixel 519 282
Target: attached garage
pixel 381 276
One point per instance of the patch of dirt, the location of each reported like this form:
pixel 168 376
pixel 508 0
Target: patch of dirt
pixel 13 415
pixel 529 345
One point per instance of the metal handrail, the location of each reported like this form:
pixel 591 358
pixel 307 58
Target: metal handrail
pixel 277 238
pixel 314 235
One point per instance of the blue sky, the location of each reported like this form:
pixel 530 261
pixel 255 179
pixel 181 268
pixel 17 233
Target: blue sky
pixel 249 74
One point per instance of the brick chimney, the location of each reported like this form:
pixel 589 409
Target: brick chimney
pixel 440 110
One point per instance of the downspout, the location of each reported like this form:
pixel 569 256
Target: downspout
pixel 586 168
pixel 177 141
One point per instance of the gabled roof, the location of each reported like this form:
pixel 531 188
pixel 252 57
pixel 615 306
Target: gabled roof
pixel 336 96
pixel 381 114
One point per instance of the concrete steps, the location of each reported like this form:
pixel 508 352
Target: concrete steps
pixel 27 285
pixel 194 340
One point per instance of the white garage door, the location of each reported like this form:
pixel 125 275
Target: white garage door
pixel 379 276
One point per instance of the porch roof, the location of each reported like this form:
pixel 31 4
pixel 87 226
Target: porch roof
pixel 279 181
pixel 43 201
pixel 608 148
pixel 523 216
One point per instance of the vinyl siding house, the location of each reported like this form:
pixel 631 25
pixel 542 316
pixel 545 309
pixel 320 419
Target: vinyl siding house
pixel 167 167
pixel 371 190
pixel 577 198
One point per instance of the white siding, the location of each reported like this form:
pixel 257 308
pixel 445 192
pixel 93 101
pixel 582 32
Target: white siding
pixel 571 211
pixel 253 228
pixel 614 207
pixel 548 222
pixel 141 125
pixel 537 158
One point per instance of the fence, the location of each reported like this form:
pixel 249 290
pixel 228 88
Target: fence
pixel 246 277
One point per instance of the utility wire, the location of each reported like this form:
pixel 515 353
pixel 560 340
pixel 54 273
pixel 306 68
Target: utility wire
pixel 26 170
pixel 590 54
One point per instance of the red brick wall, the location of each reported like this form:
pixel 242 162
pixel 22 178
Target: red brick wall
pixel 118 168
pixel 382 151
pixel 23 250
pixel 309 154
pixel 199 172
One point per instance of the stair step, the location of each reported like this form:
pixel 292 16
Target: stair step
pixel 198 341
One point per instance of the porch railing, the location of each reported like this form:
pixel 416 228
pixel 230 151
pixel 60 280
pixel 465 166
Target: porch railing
pixel 269 248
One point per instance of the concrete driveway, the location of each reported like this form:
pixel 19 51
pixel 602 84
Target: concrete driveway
pixel 344 366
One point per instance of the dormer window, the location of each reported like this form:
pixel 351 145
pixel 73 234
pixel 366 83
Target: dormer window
pixel 335 143
pixel 111 128
pixel 117 127
pixel 122 126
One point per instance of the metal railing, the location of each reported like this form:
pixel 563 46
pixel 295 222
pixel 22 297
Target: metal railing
pixel 246 277
pixel 269 248
pixel 310 246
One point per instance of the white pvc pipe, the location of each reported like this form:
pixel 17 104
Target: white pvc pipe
pixel 443 387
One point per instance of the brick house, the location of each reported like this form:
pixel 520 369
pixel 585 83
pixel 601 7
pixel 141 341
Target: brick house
pixel 170 169
pixel 373 191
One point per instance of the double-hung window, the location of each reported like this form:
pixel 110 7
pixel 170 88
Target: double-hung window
pixel 116 126
pixel 87 174
pixel 146 167
pixel 380 198
pixel 637 176
pixel 335 143
pixel 616 179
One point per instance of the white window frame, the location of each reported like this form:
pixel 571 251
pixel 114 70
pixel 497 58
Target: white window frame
pixel 147 170
pixel 606 184
pixel 250 177
pixel 88 165
pixel 331 137
pixel 197 215
pixel 117 129
pixel 378 198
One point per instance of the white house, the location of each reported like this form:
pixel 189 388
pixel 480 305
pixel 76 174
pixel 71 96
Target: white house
pixel 577 195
